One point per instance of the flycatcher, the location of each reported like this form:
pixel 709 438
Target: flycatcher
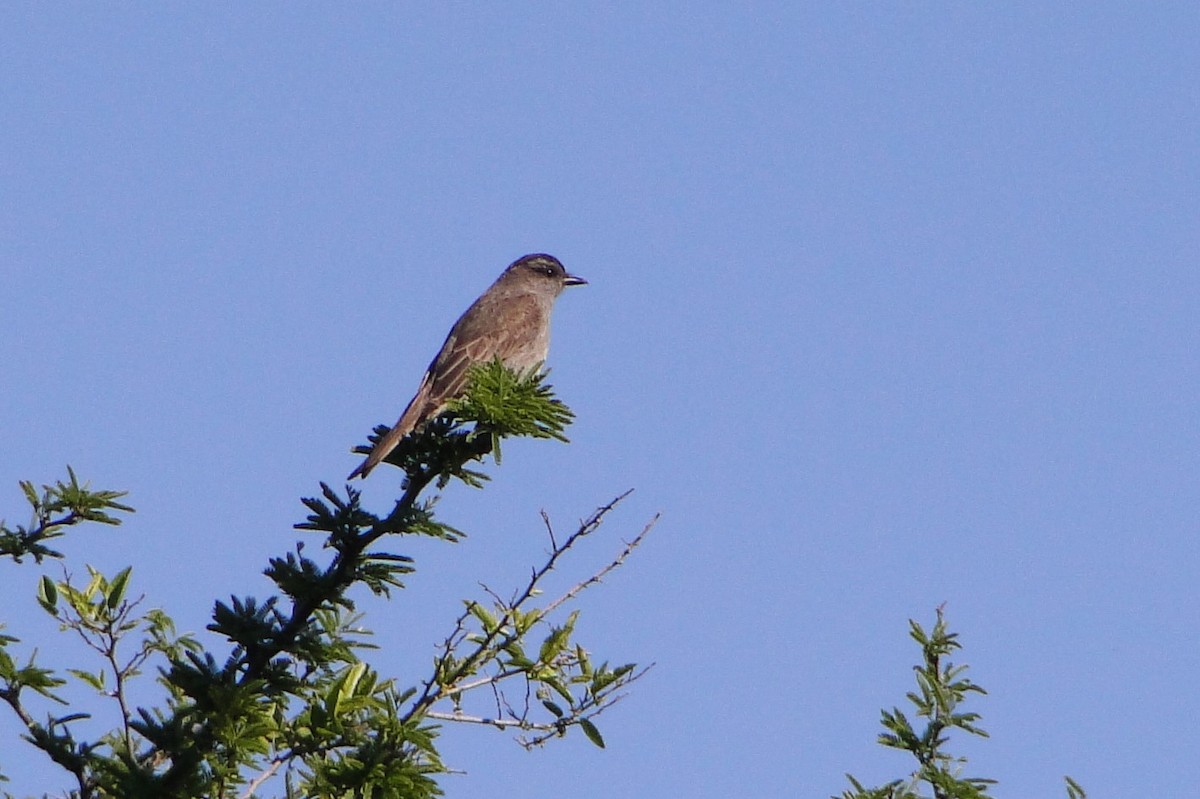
pixel 511 320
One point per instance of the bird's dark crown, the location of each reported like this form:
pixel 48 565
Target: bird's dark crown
pixel 539 262
pixel 544 265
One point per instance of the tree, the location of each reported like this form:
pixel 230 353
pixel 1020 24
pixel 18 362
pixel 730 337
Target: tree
pixel 291 706
pixel 942 688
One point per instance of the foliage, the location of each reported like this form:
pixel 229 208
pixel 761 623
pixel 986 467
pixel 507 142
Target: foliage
pixel 58 507
pixel 289 705
pixel 942 688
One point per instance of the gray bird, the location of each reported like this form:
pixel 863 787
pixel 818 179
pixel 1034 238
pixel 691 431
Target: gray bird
pixel 510 320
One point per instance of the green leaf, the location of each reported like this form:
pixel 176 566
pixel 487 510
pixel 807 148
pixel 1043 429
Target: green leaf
pixel 94 680
pixel 93 586
pixel 559 688
pixel 116 588
pixel 505 404
pixel 485 618
pixel 554 644
pixel 585 664
pixel 553 708
pixel 47 595
pixel 343 689
pixel 592 733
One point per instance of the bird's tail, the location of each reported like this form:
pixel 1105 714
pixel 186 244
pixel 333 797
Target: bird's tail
pixel 416 413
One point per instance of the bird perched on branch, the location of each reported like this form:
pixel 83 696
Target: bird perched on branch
pixel 511 321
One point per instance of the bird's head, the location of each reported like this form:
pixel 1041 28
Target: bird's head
pixel 541 271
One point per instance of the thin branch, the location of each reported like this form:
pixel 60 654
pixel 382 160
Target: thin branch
pixel 253 785
pixel 549 529
pixel 600 575
pixel 432 690
pixel 462 688
pixel 571 593
pixel 592 708
pixel 502 724
pixel 12 698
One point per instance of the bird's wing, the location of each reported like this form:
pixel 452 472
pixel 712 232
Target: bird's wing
pixel 478 338
pixel 484 332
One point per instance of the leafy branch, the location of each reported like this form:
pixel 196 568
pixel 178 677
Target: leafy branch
pixel 56 508
pixel 942 688
pixel 101 616
pixel 292 699
pixel 493 637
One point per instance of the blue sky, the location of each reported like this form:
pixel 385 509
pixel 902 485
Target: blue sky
pixel 890 306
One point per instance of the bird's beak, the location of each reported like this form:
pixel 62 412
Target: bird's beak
pixel 573 280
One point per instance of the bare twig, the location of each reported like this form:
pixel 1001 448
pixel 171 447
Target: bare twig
pixel 253 785
pixel 600 575
pixel 502 724
pixel 549 529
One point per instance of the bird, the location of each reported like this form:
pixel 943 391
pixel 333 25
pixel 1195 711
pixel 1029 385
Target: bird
pixel 511 321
